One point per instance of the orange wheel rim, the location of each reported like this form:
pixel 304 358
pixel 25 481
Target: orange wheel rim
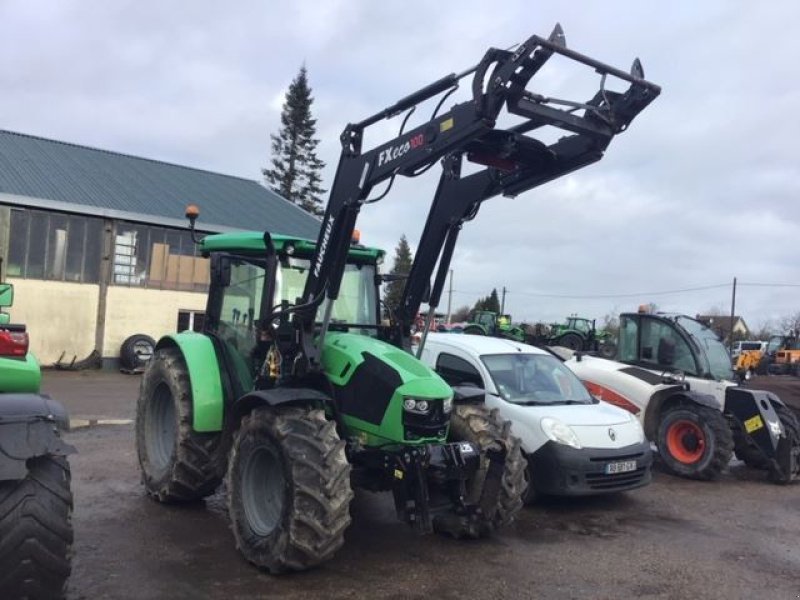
pixel 686 441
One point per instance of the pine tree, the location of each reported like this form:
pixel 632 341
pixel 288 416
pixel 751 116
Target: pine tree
pixel 295 172
pixel 490 302
pixel 402 266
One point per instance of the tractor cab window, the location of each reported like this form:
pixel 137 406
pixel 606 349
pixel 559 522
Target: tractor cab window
pixel 581 325
pixel 239 311
pixel 714 352
pixel 628 342
pixel 486 319
pixel 457 371
pixel 357 301
pixel 663 348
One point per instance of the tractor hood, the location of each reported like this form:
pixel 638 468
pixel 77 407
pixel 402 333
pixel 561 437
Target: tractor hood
pixel 344 352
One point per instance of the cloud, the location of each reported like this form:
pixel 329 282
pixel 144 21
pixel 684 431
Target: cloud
pixel 702 188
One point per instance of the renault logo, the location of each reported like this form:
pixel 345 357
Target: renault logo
pixel 612 434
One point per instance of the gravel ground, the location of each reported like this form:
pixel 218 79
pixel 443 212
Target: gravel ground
pixel 732 538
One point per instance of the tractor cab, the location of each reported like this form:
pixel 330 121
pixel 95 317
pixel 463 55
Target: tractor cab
pixel 584 326
pixel 666 343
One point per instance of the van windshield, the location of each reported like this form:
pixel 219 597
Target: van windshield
pixel 535 379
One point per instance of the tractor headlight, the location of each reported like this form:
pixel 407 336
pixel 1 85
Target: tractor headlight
pixel 559 432
pixel 417 406
pixel 447 405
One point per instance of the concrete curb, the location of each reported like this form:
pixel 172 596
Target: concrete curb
pixel 83 423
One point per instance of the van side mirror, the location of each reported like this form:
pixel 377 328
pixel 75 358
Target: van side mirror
pixel 6 294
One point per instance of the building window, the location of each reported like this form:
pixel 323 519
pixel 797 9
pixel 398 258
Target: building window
pixel 157 257
pixel 191 320
pixel 50 245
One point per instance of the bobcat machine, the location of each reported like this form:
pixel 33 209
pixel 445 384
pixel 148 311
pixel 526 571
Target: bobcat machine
pixel 675 374
pixel 35 496
pixel 296 392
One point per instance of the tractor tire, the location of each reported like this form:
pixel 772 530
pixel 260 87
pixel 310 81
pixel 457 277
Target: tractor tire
pixel 178 464
pixel 570 340
pixel 477 424
pixel 530 496
pixel 792 426
pixel 763 366
pixel 136 351
pixel 473 330
pixel 694 441
pixel 36 531
pixel 608 350
pixel 288 488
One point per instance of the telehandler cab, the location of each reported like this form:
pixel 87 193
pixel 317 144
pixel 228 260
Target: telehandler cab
pixel 292 390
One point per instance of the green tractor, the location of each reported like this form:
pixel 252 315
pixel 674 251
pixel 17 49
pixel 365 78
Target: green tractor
pixel 487 322
pixel 35 496
pixel 221 404
pixel 578 333
pixel 296 392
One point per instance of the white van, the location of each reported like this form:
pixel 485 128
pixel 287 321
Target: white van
pixel 574 443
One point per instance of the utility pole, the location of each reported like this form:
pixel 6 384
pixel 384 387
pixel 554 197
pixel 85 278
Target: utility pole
pixel 450 298
pixel 503 302
pixel 733 314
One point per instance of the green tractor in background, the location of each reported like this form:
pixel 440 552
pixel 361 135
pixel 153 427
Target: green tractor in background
pixel 35 496
pixel 217 405
pixel 579 333
pixel 487 322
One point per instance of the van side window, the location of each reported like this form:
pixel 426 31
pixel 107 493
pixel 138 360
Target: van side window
pixel 457 371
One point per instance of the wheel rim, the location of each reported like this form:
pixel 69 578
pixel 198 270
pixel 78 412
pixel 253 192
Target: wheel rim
pixel 686 441
pixel 161 425
pixel 143 350
pixel 262 488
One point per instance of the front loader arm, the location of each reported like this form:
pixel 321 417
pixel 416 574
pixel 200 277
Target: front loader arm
pixel 514 161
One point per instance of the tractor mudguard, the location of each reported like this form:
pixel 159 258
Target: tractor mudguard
pixel 671 395
pixel 277 397
pixel 204 377
pixel 468 394
pixel 29 425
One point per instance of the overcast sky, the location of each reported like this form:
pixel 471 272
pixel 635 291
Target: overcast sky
pixel 703 187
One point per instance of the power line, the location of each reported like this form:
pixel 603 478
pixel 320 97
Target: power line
pixel 606 296
pixel 770 284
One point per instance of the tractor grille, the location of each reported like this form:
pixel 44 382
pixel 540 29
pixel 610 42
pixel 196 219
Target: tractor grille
pixel 601 481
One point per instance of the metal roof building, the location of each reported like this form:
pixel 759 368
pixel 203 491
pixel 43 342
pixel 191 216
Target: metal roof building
pixel 44 173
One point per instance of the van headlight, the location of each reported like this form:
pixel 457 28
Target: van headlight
pixel 559 432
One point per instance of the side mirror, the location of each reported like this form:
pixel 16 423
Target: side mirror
pixel 6 294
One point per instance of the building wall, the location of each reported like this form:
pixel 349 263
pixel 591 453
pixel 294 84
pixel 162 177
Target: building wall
pixel 140 310
pixel 60 317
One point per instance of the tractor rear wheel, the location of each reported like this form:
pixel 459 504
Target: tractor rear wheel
pixel 477 424
pixel 570 340
pixel 288 488
pixel 474 330
pixel 178 464
pixel 694 441
pixel 36 531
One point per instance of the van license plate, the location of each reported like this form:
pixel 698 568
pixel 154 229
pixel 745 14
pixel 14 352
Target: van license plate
pixel 624 466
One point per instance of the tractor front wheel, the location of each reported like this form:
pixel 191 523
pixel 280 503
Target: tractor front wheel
pixel 694 441
pixel 288 488
pixel 477 424
pixel 791 428
pixel 178 464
